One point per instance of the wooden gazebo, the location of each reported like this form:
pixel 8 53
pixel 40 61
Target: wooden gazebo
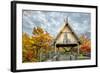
pixel 66 38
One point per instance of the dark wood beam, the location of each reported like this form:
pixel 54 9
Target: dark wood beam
pixel 66 45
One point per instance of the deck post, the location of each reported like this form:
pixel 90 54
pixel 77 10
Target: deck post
pixel 55 48
pixel 57 57
pixel 78 49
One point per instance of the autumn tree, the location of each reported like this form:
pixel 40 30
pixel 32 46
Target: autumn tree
pixel 85 47
pixel 42 41
pixel 35 45
pixel 29 54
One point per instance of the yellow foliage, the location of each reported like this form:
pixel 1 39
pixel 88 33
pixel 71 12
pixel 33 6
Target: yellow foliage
pixel 33 45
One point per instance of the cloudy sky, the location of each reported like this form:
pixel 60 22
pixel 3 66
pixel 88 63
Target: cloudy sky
pixel 52 21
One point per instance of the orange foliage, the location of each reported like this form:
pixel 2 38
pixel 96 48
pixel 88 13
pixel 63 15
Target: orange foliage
pixel 85 46
pixel 29 55
pixel 40 41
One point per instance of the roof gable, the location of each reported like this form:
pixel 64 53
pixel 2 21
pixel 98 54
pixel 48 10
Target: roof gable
pixel 67 28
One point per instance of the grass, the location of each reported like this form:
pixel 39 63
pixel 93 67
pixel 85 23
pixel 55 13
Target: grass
pixel 82 57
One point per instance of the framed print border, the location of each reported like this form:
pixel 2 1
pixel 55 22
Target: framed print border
pixel 14 34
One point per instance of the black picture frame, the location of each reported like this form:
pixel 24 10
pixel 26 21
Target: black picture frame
pixel 14 30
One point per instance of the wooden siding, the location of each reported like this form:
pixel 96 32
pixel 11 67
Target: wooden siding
pixel 70 36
